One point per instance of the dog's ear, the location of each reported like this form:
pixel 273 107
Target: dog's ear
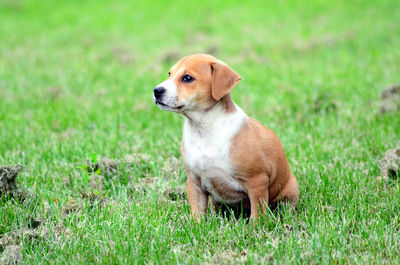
pixel 224 79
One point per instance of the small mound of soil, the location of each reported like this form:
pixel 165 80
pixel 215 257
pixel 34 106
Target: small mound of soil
pixel 70 207
pixel 96 182
pixel 10 243
pixel 105 165
pixel 15 237
pixel 110 167
pixel 8 185
pixel 323 103
pixel 390 164
pixel 391 99
pixel 175 194
pixel 123 55
pixel 212 49
pixel 170 57
pixel 228 257
pixel 11 255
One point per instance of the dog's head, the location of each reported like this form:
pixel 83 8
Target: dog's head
pixel 195 83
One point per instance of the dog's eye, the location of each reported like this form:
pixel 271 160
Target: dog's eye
pixel 187 79
pixel 169 73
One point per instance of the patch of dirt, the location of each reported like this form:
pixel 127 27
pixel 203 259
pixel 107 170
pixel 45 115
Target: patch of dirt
pixel 134 171
pixel 96 182
pixel 95 198
pixel 228 257
pixel 11 255
pixel 390 99
pixel 327 40
pixel 8 185
pixel 54 93
pixel 34 222
pixel 60 230
pixel 67 134
pixel 321 41
pixel 212 50
pixel 390 165
pixel 15 237
pixel 171 167
pixel 11 5
pixel 105 165
pixel 328 208
pixel 238 257
pixel 70 207
pixel 35 230
pixel 144 185
pixel 123 55
pixel 175 194
pixel 323 103
pixel 87 42
pixel 198 37
pixel 89 200
pixel 288 229
pixel 248 54
pixel 109 167
pixel 10 242
pixel 171 57
pixel 148 183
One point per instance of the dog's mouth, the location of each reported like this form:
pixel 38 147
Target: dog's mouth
pixel 168 107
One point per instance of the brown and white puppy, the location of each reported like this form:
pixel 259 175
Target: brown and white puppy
pixel 227 155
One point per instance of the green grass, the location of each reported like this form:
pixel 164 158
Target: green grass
pixel 76 82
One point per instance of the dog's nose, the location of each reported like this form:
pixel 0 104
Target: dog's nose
pixel 158 92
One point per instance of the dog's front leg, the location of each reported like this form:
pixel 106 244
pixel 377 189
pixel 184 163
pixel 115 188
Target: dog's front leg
pixel 198 198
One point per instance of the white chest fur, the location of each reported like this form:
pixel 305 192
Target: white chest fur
pixel 207 140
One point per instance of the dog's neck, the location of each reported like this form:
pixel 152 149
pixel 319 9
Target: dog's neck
pixel 217 114
pixel 228 104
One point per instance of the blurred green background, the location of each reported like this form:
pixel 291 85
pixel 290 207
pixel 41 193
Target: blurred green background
pixel 76 82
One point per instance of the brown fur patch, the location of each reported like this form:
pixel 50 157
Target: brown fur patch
pixel 229 106
pixel 259 159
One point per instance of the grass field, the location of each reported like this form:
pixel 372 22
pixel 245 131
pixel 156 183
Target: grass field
pixel 76 82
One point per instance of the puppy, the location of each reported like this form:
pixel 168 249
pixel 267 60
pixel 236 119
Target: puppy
pixel 228 156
